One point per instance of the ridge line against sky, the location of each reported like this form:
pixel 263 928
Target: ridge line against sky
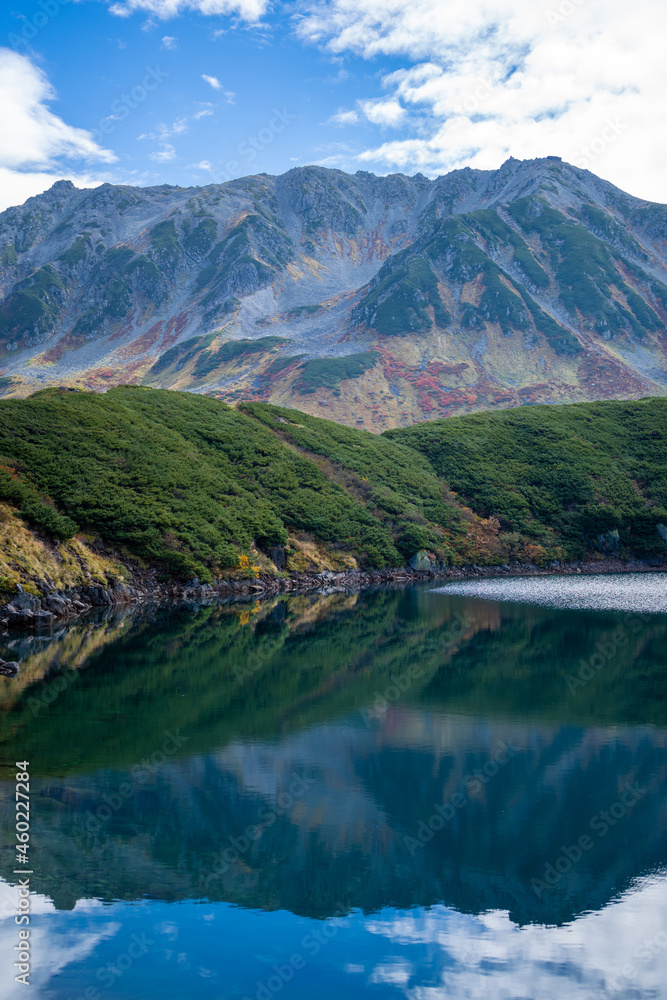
pixel 191 92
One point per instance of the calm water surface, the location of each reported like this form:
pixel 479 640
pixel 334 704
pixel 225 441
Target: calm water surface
pixel 434 794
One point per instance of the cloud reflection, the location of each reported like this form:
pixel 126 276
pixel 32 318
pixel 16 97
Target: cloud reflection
pixel 620 951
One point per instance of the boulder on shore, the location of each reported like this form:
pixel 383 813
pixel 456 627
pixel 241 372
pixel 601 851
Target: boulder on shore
pixel 423 562
pixel 9 668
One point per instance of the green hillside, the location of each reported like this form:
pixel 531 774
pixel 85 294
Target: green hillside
pixel 578 473
pixel 190 484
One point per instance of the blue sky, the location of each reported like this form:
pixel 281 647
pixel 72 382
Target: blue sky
pixel 193 91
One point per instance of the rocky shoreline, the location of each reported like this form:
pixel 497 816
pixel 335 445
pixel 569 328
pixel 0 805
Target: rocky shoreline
pixel 29 611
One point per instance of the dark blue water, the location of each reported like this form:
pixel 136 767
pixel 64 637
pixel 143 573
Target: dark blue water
pixel 416 794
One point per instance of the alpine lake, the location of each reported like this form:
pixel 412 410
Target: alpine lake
pixel 443 791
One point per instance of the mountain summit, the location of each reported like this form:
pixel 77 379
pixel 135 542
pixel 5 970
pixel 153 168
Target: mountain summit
pixel 379 301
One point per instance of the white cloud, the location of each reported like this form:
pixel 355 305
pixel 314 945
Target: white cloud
pixel 163 131
pixel 163 155
pixel 343 117
pixel 202 165
pixel 383 112
pixel 39 147
pixel 36 136
pixel 483 81
pixel 247 10
pixel 169 42
pixel 212 80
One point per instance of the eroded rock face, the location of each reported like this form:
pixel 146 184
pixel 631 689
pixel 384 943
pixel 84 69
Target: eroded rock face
pixel 384 299
pixel 277 556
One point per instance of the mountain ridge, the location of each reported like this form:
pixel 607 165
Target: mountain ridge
pixel 380 301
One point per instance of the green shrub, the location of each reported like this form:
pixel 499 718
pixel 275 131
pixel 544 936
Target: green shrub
pixel 558 474
pixel 188 483
pixel 328 373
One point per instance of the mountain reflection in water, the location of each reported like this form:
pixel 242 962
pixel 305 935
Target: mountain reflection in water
pixel 414 771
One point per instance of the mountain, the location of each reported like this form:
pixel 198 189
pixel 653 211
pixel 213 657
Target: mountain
pixel 192 487
pixel 376 300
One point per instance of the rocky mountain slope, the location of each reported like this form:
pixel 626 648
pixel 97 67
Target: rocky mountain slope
pixel 373 300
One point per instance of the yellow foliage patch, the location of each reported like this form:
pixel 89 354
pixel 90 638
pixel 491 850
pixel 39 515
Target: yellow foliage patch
pixel 308 557
pixel 27 559
pixel 247 568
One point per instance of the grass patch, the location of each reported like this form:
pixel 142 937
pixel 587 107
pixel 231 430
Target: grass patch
pixel 231 350
pixel 328 373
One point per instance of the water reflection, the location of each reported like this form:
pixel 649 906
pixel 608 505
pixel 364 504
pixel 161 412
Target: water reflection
pixel 407 813
pixel 216 951
pixel 418 766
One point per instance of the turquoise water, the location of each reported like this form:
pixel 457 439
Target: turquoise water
pixel 415 793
